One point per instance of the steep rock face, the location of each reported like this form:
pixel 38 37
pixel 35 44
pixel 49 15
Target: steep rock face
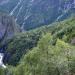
pixel 8 28
pixel 34 13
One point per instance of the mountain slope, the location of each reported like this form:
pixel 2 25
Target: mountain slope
pixel 46 58
pixel 34 13
pixel 23 42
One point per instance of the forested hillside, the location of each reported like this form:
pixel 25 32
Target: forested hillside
pixel 37 37
pixel 48 50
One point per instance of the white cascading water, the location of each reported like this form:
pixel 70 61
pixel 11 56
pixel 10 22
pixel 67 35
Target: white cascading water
pixel 26 16
pixel 11 13
pixel 19 12
pixel 1 60
pixel 68 7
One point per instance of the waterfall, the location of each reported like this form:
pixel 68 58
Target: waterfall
pixel 1 60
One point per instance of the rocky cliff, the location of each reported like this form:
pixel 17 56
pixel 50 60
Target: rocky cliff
pixel 8 28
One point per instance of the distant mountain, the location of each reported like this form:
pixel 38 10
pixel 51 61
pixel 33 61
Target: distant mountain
pixel 34 13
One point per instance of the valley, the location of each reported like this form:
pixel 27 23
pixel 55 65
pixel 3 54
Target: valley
pixel 37 37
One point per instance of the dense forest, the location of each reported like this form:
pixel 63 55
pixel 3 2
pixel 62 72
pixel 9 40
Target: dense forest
pixel 48 50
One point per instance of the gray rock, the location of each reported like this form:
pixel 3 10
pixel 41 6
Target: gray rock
pixel 73 41
pixel 8 28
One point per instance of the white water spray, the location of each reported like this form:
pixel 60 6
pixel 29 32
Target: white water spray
pixel 1 60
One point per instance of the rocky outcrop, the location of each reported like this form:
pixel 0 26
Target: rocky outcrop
pixel 8 28
pixel 73 41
